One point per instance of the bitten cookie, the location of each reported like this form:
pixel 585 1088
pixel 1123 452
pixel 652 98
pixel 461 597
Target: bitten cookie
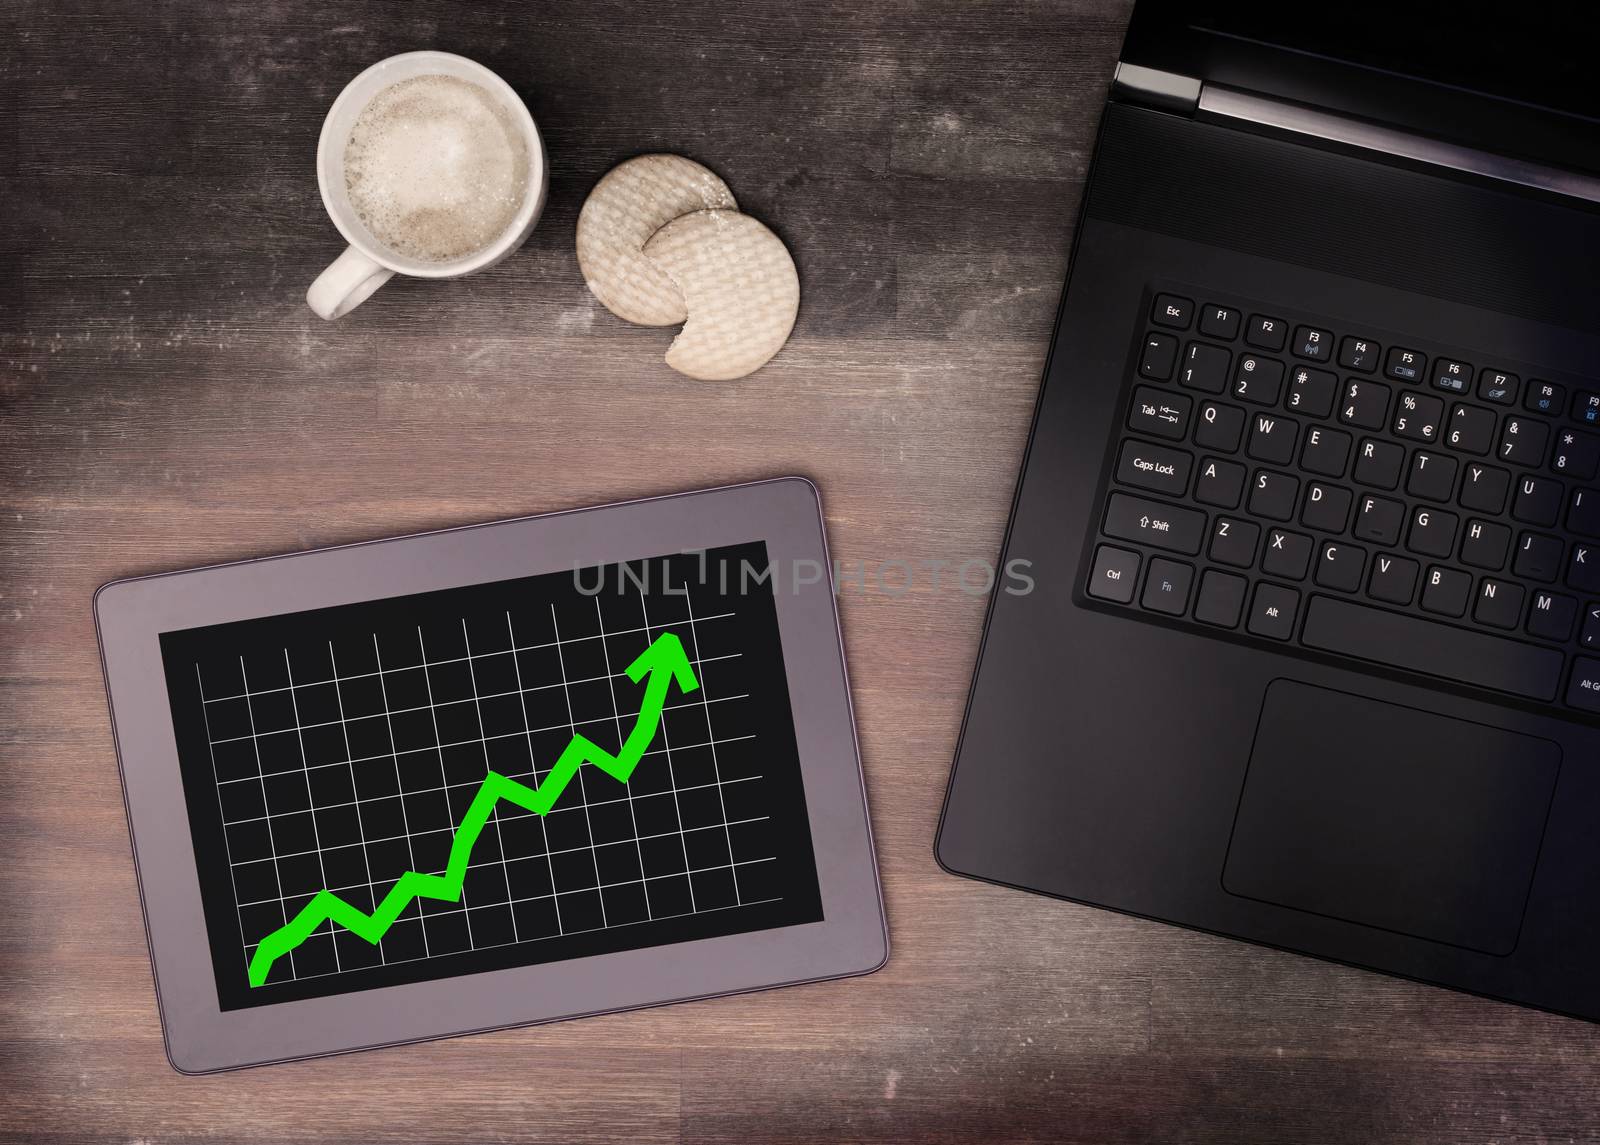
pixel 739 285
pixel 633 201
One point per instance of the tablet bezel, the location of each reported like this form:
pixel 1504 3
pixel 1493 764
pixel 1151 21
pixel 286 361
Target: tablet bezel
pixel 200 1037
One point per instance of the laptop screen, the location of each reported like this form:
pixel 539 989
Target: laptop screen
pixel 1512 80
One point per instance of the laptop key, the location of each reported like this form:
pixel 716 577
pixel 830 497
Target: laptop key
pixel 1219 322
pixel 1327 508
pixel 1312 343
pixel 1273 495
pixel 1221 599
pixel 1498 387
pixel 1379 520
pixel 1154 467
pixel 1538 501
pixel 1205 368
pixel 1358 354
pixel 1311 392
pixel 1451 376
pixel 1446 591
pixel 1584 691
pixel 1287 555
pixel 1234 542
pixel 1471 429
pixel 1340 566
pixel 1539 557
pixel 1151 523
pixel 1394 579
pixel 1545 397
pixel 1159 356
pixel 1583 568
pixel 1484 489
pixel 1577 454
pixel 1220 427
pixel 1327 451
pixel 1258 380
pixel 1365 404
pixel 1160 413
pixel 1170 310
pixel 1583 517
pixel 1166 587
pixel 1432 476
pixel 1499 603
pixel 1116 571
pixel 1439 650
pixel 1485 545
pixel 1273 611
pixel 1433 532
pixel 1272 439
pixel 1590 638
pixel 1586 407
pixel 1551 616
pixel 1404 365
pixel 1268 333
pixel 1417 417
pixel 1220 483
pixel 1523 441
pixel 1379 463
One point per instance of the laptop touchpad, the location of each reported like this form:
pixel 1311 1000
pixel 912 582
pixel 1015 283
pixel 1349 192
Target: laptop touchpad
pixel 1391 817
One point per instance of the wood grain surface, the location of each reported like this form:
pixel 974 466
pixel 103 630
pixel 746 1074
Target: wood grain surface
pixel 167 399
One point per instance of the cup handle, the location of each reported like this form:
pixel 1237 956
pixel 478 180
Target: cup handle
pixel 346 284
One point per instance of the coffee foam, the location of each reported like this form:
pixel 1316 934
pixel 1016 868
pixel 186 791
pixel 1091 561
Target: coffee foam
pixel 436 168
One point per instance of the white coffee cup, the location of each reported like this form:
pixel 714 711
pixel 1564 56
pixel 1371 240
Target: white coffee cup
pixel 367 264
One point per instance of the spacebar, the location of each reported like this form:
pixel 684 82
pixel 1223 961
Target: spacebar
pixel 1436 649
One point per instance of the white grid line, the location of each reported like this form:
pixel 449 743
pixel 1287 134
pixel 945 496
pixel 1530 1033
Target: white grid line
pixel 672 775
pixel 443 778
pixel 447 703
pixel 527 724
pixel 496 862
pixel 583 786
pixel 441 663
pixel 474 784
pixel 576 889
pixel 272 843
pixel 361 830
pixel 549 937
pixel 494 812
pixel 399 785
pixel 711 736
pixel 633 816
pixel 227 844
pixel 316 834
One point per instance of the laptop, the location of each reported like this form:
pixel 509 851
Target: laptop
pixel 1311 506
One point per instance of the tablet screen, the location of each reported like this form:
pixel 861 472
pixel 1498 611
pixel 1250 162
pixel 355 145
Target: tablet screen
pixel 498 775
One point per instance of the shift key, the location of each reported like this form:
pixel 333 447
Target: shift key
pixel 1152 523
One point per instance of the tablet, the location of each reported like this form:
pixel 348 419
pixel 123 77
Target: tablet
pixel 493 775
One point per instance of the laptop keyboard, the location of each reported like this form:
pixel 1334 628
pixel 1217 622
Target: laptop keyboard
pixel 1295 482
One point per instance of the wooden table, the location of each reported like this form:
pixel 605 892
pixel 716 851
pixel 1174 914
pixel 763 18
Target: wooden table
pixel 167 399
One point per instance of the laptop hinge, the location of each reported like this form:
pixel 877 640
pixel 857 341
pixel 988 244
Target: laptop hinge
pixel 1155 88
pixel 1297 119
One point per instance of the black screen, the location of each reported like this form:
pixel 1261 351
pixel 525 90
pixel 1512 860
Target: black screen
pixel 1510 80
pixel 1531 53
pixel 337 750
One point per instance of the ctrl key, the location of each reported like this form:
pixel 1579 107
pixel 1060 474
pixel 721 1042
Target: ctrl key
pixel 1584 691
pixel 1116 573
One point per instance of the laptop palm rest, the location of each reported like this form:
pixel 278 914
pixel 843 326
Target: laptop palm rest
pixel 1391 817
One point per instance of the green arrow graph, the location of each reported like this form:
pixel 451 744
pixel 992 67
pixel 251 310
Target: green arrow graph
pixel 664 662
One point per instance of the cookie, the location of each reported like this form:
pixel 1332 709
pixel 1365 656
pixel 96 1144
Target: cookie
pixel 627 206
pixel 739 285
